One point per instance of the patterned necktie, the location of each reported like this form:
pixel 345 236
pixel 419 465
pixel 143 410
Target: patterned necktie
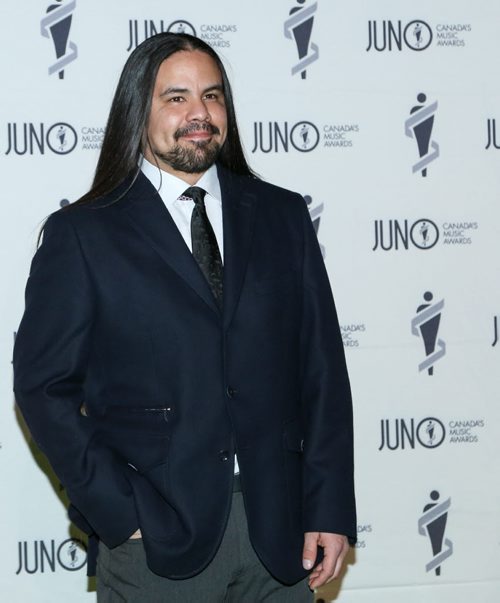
pixel 204 243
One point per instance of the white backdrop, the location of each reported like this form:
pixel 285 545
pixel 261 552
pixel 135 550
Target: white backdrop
pixel 390 89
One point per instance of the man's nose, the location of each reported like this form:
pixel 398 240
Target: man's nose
pixel 198 110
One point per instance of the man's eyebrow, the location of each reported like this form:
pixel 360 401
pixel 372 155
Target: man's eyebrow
pixel 214 87
pixel 176 90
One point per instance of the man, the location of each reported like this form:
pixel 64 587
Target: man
pixel 176 335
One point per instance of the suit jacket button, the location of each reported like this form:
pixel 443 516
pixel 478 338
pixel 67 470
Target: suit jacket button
pixel 223 455
pixel 230 392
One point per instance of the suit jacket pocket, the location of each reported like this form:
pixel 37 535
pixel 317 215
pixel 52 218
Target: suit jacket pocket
pixel 140 436
pixel 293 446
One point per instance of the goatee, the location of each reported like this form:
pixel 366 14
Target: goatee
pixel 194 157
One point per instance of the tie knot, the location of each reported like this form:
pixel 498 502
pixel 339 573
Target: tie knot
pixel 195 193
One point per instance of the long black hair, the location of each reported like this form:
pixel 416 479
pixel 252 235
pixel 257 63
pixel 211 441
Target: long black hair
pixel 124 136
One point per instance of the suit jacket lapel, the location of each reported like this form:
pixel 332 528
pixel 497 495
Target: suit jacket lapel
pixel 152 220
pixel 238 211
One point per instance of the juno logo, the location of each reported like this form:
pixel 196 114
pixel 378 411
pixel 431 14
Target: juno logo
pixel 40 556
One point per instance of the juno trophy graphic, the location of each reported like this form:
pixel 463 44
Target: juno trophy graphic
pixel 425 324
pixel 298 27
pixel 432 523
pixel 419 126
pixel 56 25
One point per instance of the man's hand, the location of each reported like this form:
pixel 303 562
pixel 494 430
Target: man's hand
pixel 335 547
pixel 136 534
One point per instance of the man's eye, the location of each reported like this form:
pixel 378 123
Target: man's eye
pixel 175 99
pixel 212 96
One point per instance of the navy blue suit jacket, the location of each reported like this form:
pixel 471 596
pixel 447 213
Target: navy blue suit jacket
pixel 120 321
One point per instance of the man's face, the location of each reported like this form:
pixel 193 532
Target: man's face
pixel 187 125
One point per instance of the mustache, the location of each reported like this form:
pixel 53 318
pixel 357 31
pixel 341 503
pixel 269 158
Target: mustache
pixel 196 127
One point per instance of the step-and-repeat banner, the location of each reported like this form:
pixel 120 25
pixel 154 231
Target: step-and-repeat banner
pixel 386 117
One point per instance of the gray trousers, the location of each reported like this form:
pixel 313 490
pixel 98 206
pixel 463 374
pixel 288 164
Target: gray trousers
pixel 235 575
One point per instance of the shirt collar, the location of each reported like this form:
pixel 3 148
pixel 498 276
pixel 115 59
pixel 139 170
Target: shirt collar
pixel 170 187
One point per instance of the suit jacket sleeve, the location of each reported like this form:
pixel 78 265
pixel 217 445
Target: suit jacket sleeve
pixel 329 503
pixel 50 357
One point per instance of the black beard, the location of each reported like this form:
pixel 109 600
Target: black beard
pixel 193 159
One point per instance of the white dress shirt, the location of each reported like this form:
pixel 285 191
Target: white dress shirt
pixel 170 188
